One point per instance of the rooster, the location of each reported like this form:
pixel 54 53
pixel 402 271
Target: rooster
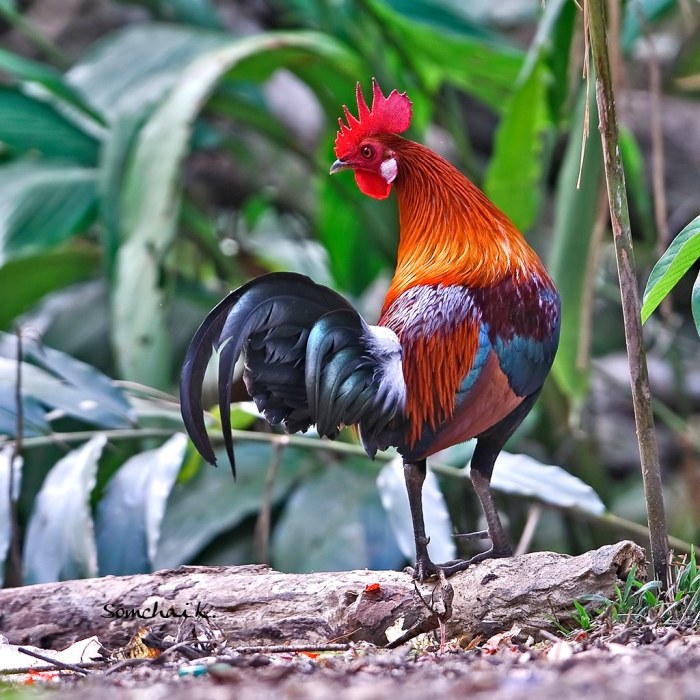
pixel 466 337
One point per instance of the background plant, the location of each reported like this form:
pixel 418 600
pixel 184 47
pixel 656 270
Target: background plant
pixel 149 169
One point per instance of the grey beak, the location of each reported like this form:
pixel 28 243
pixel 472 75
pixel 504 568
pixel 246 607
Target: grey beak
pixel 338 166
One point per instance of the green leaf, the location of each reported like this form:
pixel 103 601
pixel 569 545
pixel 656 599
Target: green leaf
pixel 130 514
pixel 358 233
pixel 671 266
pixel 445 17
pixel 574 219
pixel 524 476
pixel 695 303
pixel 33 414
pixel 211 502
pixel 152 190
pixel 27 71
pixel 334 521
pixel 30 278
pixel 515 172
pixel 6 464
pixel 43 204
pixel 438 526
pixel 485 69
pixel 60 540
pixel 72 387
pixel 558 58
pixel 132 69
pixel 113 166
pixel 95 386
pixel 272 243
pixel 28 125
pixel 636 182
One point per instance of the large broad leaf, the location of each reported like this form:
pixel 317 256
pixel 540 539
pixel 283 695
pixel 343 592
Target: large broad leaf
pixel 94 385
pixel 524 476
pixel 575 214
pixel 8 467
pixel 34 420
pixel 32 277
pixel 60 542
pixel 43 204
pixel 136 66
pixel 335 522
pixel 114 160
pixel 485 69
pixel 438 526
pixel 31 125
pixel 152 193
pixel 672 265
pixel 47 78
pixel 130 514
pixel 515 172
pixel 212 502
pixel 63 383
pixel 54 393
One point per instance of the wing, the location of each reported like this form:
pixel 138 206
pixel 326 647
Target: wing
pixel 309 359
pixel 523 322
pixel 470 356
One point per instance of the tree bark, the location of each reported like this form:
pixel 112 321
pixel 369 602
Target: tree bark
pixel 254 605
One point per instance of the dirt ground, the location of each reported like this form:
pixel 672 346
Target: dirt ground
pixel 643 662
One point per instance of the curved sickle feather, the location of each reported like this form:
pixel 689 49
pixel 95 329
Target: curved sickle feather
pixel 262 302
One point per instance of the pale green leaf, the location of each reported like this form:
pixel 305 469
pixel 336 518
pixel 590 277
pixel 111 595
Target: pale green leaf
pixel 26 70
pixel 318 532
pixel 211 502
pixel 60 541
pixel 522 475
pixel 671 266
pixel 73 387
pixel 133 68
pixel 130 514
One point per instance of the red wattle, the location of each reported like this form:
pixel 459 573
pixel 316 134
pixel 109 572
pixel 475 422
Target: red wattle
pixel 372 185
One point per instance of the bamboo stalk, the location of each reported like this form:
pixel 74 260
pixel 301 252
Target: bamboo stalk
pixel 619 215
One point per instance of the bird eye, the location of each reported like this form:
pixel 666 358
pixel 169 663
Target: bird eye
pixel 367 152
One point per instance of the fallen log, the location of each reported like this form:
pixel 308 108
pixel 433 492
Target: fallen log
pixel 255 605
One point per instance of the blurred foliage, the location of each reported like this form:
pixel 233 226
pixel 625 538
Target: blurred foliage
pixel 177 156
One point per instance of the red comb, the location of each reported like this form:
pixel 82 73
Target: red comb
pixel 389 115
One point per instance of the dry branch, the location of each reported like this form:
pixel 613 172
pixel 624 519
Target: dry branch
pixel 256 605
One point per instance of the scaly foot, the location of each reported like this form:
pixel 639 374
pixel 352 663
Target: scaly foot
pixel 425 569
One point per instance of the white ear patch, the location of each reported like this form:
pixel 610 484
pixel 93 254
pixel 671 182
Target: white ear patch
pixel 389 169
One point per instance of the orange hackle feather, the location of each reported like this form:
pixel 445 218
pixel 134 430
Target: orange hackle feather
pixel 450 234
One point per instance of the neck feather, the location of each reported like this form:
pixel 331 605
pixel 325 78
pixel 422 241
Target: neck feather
pixel 450 233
